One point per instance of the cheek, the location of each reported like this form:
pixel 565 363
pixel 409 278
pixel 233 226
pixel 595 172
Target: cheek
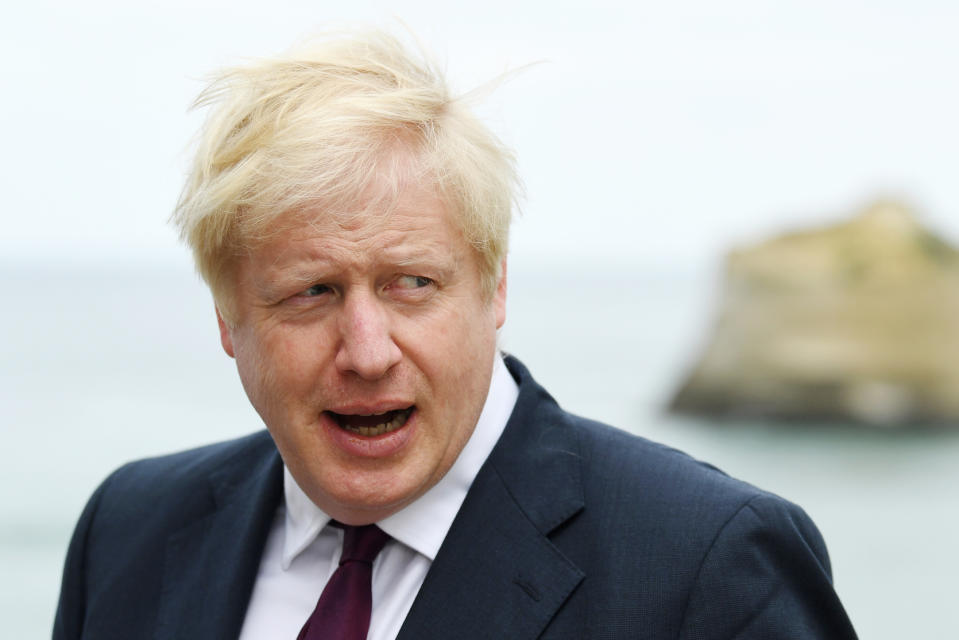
pixel 465 345
pixel 272 369
pixel 449 340
pixel 253 374
pixel 293 365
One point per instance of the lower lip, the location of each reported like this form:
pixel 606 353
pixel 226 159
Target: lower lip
pixel 381 446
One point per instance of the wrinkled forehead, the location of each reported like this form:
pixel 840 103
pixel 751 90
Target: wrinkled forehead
pixel 388 208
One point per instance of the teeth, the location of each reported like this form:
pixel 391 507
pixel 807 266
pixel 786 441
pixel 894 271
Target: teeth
pixel 399 419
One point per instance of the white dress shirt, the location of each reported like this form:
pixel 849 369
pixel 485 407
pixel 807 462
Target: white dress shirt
pixel 302 551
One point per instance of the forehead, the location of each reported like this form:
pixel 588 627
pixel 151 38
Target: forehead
pixel 414 224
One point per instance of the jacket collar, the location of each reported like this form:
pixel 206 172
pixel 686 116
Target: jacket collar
pixel 497 568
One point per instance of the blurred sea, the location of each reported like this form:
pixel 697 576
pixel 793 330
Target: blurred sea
pixel 98 367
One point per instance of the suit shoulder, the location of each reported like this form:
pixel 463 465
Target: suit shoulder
pixel 191 464
pixel 633 454
pixel 688 510
pixel 660 479
pixel 179 482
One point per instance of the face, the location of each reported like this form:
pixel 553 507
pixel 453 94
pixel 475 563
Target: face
pixel 366 345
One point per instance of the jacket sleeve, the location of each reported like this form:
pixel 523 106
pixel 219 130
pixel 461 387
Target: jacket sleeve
pixel 68 622
pixel 766 576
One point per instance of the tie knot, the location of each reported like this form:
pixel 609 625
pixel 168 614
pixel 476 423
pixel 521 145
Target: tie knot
pixel 362 544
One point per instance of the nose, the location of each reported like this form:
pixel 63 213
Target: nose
pixel 366 343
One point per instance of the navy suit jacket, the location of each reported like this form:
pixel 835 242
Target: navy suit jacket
pixel 572 529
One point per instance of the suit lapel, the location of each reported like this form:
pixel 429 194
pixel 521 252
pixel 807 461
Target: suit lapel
pixel 497 573
pixel 211 564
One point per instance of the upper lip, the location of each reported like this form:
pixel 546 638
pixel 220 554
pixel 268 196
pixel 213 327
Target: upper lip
pixel 371 408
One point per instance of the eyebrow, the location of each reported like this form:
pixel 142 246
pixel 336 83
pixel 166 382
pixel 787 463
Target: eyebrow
pixel 315 267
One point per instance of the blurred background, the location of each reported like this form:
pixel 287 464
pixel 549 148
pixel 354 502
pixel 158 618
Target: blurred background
pixel 654 138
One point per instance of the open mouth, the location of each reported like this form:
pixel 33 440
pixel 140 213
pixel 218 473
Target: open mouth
pixel 372 425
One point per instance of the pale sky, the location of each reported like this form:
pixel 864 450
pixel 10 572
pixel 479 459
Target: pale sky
pixel 651 133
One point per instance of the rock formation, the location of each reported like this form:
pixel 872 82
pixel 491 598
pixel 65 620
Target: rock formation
pixel 854 322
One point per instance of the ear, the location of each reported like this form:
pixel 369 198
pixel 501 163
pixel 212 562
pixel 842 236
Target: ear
pixel 226 337
pixel 499 296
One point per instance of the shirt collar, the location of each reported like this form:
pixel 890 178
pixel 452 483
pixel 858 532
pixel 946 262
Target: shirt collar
pixel 423 524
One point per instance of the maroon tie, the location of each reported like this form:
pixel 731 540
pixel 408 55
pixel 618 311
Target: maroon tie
pixel 343 610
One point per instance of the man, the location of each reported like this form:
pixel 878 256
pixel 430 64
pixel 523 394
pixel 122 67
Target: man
pixel 351 220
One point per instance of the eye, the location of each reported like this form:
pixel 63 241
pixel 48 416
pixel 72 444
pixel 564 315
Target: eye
pixel 315 290
pixel 413 282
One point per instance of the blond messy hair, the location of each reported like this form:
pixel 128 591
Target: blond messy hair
pixel 317 129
